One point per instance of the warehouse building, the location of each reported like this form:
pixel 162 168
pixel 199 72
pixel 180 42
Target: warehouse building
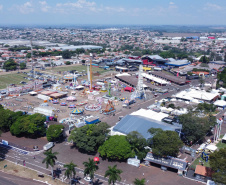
pixel 141 121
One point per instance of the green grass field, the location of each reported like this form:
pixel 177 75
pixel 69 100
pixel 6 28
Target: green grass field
pixel 220 144
pixel 15 78
pixel 196 162
pixel 79 68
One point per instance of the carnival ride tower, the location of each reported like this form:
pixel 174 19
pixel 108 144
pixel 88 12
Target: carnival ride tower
pixel 139 92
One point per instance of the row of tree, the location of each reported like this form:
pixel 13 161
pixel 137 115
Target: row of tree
pixel 32 126
pixel 221 79
pixel 93 138
pixel 90 167
pixel 11 65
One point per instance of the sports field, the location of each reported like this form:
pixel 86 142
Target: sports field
pixel 14 78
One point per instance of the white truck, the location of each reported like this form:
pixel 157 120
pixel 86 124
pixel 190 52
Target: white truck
pixel 201 148
pixel 48 146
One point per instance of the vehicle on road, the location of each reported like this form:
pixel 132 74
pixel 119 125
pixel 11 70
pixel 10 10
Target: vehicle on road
pixel 87 178
pixel 48 146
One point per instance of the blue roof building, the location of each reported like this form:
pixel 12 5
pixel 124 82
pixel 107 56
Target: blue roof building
pixel 178 63
pixel 140 124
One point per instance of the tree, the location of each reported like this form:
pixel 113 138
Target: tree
pixel 90 137
pixel 113 174
pixel 194 127
pixel 116 148
pixel 167 54
pixel 28 55
pixel 171 105
pixel 22 65
pixel 70 170
pixel 205 107
pixel 79 51
pixel 7 118
pixel 165 143
pixel 139 182
pixel 68 63
pixel 137 53
pixel 137 142
pixel 225 57
pixel 66 54
pixel 29 125
pixel 54 132
pixel 218 58
pixel 222 77
pixel 204 59
pixel 50 159
pixel 201 81
pixel 190 59
pixel 90 168
pixel 10 65
pixel 218 165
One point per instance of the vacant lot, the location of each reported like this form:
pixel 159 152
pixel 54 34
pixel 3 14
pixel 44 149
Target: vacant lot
pixel 79 68
pixel 14 78
pixel 27 174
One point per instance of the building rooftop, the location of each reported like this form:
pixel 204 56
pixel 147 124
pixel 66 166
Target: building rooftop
pixel 141 124
pixel 203 170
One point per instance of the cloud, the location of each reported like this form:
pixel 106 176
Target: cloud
pixel 1 7
pixel 172 7
pixel 114 9
pixel 84 6
pixel 171 3
pixel 210 6
pixel 44 7
pixel 25 8
pixel 78 4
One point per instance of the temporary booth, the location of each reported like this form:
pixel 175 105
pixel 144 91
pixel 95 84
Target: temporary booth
pixel 130 89
pixel 224 139
pixel 92 120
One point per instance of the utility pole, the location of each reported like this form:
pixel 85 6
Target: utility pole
pixel 32 67
pixel 91 57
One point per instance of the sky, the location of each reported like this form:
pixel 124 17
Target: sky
pixel 113 12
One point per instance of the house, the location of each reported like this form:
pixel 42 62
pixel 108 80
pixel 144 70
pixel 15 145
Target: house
pixel 203 172
pixel 174 164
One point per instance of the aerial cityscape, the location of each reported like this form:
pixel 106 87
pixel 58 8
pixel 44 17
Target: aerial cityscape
pixel 112 92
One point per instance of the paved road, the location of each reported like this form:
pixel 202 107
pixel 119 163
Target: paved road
pixel 7 179
pixel 112 120
pixel 37 163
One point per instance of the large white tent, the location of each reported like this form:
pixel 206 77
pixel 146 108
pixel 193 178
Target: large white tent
pixel 211 148
pixel 43 97
pixel 150 114
pixel 220 103
pixel 48 111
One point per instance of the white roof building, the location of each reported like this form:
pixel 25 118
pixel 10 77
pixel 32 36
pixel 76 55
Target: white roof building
pixel 202 95
pixel 48 111
pixel 155 79
pixel 220 103
pixel 150 114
